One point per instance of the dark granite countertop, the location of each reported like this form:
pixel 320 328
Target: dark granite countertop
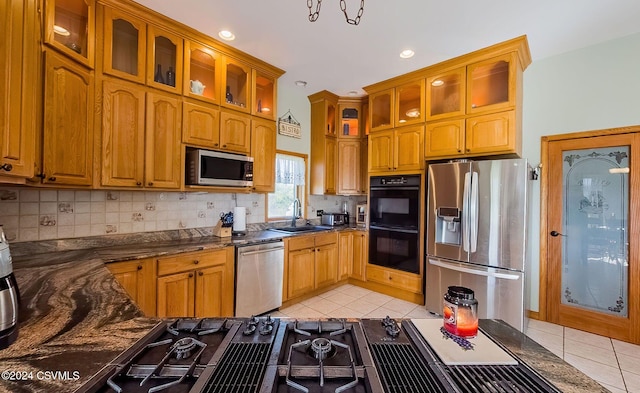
pixel 75 318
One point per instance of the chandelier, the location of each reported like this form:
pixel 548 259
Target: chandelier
pixel 313 15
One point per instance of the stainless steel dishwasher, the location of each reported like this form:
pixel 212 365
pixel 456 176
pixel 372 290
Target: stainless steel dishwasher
pixel 259 278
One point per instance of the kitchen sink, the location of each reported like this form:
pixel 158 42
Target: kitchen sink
pixel 305 228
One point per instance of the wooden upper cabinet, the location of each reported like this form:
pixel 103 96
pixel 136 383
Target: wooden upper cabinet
pixel 19 88
pixel 200 124
pixel 446 94
pixel 123 115
pixel 162 141
pixel 164 60
pixel 67 148
pixel 201 72
pixel 264 88
pixel 349 164
pixel 381 105
pixel 70 28
pixel 492 134
pixel 235 86
pixel 381 151
pixel 124 45
pixel 409 103
pixel 445 139
pixel 491 84
pixel 235 131
pixel 400 149
pixel 263 151
pixel 408 148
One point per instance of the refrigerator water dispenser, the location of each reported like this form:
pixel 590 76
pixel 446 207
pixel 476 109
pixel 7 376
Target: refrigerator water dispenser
pixel 448 226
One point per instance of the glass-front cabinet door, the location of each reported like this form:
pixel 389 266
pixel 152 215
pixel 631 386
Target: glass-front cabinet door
pixel 124 45
pixel 381 114
pixel 235 87
pixel 70 27
pixel 164 60
pixel 350 120
pixel 409 107
pixel 491 84
pixel 446 94
pixel 201 72
pixel 264 95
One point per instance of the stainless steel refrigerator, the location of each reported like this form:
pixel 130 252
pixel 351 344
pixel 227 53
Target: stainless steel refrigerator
pixel 476 235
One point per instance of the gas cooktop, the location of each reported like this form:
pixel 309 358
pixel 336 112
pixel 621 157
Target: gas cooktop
pixel 271 355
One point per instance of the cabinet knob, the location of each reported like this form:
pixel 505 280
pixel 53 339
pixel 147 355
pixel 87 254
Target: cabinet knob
pixel 150 183
pixel 215 144
pixel 390 278
pixel 200 274
pixel 468 149
pixel 459 150
pixel 6 167
pixel 138 184
pixel 52 178
pixel 224 146
pixel 190 275
pixel 195 261
pixel 139 267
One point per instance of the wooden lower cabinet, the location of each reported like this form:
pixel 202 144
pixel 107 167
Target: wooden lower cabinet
pixel 395 278
pixel 311 263
pixel 138 279
pixel 196 284
pixel 352 255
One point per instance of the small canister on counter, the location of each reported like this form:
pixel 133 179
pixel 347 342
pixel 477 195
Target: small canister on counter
pixel 460 312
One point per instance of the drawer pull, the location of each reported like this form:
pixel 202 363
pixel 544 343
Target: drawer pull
pixel 195 261
pixel 139 267
pixel 190 275
pixel 6 167
pixel 200 274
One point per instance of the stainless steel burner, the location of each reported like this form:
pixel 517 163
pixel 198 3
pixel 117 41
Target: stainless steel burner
pixel 321 347
pixel 183 347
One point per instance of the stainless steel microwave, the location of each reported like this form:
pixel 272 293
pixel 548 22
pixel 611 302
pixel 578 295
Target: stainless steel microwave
pixel 214 168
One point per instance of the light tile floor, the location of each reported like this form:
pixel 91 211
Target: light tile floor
pixel 614 364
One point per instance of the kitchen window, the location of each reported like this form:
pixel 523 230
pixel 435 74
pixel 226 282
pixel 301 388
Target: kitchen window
pixel 291 173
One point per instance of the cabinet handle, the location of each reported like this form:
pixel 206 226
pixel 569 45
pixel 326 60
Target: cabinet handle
pixel 195 261
pixel 190 275
pixel 200 274
pixel 138 184
pixel 6 167
pixel 139 267
pixel 150 183
pixel 52 178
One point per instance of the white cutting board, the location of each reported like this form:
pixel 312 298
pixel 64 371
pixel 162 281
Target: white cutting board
pixel 485 351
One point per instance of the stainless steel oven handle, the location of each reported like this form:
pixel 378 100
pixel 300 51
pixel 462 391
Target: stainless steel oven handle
pixel 413 231
pixel 243 254
pixel 473 271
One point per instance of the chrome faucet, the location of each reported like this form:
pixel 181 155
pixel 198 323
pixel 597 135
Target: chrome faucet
pixel 296 211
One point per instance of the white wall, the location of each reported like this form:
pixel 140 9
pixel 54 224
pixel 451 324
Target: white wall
pixel 588 89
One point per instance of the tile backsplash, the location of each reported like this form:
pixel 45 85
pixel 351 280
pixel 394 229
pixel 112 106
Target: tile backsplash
pixel 35 214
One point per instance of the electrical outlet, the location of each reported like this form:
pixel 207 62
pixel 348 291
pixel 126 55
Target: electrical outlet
pixel 319 212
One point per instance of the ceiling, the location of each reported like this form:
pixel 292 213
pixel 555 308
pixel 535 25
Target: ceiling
pixel 333 55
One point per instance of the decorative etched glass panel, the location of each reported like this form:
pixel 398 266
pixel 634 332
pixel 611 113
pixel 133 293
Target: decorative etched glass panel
pixel 595 264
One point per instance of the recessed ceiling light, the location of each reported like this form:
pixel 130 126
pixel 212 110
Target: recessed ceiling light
pixel 226 35
pixel 407 53
pixel 437 82
pixel 300 83
pixel 61 31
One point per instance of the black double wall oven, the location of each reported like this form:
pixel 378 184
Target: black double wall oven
pixel 394 222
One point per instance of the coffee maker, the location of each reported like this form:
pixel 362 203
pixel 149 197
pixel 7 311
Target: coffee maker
pixel 9 296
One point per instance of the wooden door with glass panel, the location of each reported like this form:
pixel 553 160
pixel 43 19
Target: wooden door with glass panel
pixel 592 235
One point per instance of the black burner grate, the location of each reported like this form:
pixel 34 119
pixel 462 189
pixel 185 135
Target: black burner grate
pixel 402 369
pixel 240 369
pixel 497 379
